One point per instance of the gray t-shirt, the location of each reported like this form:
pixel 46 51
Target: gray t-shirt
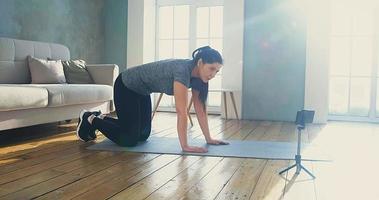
pixel 158 76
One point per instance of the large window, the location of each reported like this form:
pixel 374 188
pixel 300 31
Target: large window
pixel 353 61
pixel 184 26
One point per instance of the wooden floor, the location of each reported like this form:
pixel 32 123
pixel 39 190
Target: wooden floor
pixel 48 162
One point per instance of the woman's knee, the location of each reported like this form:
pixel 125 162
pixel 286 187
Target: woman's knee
pixel 145 132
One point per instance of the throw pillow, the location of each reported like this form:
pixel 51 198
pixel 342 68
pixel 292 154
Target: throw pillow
pixel 76 72
pixel 46 71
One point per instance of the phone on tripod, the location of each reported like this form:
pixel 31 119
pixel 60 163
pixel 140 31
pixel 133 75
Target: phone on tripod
pixel 303 117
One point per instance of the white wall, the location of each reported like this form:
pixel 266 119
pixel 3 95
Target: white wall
pixel 317 65
pixel 135 33
pixel 141 33
pixel 149 31
pixel 233 53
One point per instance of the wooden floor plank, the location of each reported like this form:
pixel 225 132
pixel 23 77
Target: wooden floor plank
pixel 127 179
pixel 35 145
pixel 180 184
pixel 72 176
pixel 41 152
pixel 149 184
pixel 214 181
pixel 259 132
pixel 83 185
pixel 14 175
pixel 42 156
pixel 288 133
pixel 273 132
pixel 243 182
pixel 246 128
pixel 270 185
pixel 48 174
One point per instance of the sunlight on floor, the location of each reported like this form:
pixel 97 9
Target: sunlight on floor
pixel 353 173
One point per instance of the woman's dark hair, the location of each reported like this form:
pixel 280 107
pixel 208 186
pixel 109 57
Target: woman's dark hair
pixel 207 56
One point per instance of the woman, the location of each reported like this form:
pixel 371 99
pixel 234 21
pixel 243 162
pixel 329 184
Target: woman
pixel 132 91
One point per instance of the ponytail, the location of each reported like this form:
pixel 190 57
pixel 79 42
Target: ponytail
pixel 207 55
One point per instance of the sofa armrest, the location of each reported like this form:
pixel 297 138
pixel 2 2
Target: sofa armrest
pixel 103 73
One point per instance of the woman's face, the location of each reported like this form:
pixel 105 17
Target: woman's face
pixel 208 71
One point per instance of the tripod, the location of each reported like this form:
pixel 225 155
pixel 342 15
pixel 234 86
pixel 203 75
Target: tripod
pixel 300 122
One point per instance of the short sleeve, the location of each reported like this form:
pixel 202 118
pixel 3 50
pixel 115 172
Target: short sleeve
pixel 182 75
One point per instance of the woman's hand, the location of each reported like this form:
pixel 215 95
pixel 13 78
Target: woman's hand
pixel 217 142
pixel 194 149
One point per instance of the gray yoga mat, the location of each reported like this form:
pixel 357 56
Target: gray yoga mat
pixel 236 148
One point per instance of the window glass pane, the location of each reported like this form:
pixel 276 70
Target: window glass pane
pixel 181 49
pixel 216 21
pixel 338 95
pixel 363 22
pixel 181 22
pixel 165 49
pixel 339 56
pixel 202 25
pixel 216 44
pixel 166 22
pixel 214 99
pixel 361 58
pixel 360 96
pixel 202 42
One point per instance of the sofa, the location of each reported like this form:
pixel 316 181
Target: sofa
pixel 25 104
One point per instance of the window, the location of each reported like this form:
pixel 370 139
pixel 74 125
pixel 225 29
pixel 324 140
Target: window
pixel 209 31
pixel 353 67
pixel 172 38
pixel 183 27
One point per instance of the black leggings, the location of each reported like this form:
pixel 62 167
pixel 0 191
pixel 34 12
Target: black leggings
pixel 134 117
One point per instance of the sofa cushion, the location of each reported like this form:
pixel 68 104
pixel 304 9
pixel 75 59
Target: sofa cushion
pixel 71 94
pixel 17 97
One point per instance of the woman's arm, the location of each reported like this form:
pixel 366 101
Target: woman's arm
pixel 181 95
pixel 202 118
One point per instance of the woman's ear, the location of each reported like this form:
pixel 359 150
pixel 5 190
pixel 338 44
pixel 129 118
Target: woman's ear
pixel 200 62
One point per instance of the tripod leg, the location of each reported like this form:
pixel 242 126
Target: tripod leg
pixel 308 172
pixel 288 168
pixel 298 168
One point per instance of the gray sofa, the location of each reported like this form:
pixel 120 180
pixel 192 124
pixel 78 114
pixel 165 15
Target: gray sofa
pixel 24 104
